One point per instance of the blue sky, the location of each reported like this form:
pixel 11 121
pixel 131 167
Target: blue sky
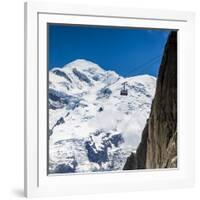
pixel 127 51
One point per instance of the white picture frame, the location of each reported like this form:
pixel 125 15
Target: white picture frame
pixel 37 182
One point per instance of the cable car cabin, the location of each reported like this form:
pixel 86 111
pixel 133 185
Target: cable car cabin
pixel 124 91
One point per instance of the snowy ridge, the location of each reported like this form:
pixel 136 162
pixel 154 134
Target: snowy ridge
pixel 92 127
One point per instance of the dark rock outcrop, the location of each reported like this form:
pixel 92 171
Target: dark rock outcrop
pixel 100 154
pixel 81 76
pixel 158 147
pixel 131 162
pixel 63 74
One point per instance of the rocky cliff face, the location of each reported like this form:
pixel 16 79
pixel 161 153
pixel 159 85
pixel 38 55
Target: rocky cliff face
pixel 158 147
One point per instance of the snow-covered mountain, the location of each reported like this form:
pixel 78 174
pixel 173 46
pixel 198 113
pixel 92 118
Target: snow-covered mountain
pixel 91 126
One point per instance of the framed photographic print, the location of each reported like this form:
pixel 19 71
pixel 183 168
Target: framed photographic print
pixel 109 99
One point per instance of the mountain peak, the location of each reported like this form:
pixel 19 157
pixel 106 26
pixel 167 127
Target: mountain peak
pixel 81 61
pixel 82 64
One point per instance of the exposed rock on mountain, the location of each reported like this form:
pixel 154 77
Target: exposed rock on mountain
pixel 158 147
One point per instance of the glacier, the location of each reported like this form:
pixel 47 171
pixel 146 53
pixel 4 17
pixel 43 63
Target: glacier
pixel 91 127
